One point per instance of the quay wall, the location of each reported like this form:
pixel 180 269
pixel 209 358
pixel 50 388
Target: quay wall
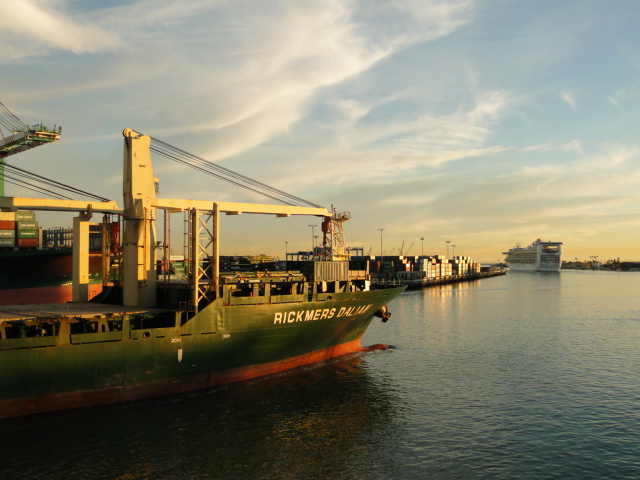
pixel 421 271
pixel 428 282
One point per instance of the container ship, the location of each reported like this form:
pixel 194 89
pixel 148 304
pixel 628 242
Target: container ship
pixel 151 332
pixel 538 257
pixel 39 268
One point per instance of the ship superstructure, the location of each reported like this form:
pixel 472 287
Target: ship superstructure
pixel 540 256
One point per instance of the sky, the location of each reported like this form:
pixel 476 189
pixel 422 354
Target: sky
pixel 481 123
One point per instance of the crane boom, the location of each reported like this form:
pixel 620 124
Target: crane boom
pixel 22 137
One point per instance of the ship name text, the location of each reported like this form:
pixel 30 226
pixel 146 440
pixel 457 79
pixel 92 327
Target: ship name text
pixel 317 314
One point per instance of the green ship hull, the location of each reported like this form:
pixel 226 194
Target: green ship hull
pixel 97 354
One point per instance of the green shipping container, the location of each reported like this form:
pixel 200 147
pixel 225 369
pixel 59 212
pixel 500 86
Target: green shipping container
pixel 25 215
pixel 7 234
pixel 27 225
pixel 27 234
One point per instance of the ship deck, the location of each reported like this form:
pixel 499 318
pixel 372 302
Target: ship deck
pixel 10 313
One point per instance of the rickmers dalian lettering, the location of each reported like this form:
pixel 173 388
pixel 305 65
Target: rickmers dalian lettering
pixel 538 257
pixel 155 332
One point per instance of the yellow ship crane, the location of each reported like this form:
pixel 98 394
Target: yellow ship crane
pixel 20 137
pixel 139 271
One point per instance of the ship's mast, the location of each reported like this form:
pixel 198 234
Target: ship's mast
pixel 139 196
pixel 333 245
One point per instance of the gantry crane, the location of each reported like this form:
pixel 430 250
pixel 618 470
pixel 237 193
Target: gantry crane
pixel 20 137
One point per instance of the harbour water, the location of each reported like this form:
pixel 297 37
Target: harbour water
pixel 514 377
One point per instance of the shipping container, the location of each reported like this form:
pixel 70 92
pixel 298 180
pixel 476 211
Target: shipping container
pixel 330 271
pixel 7 234
pixel 7 225
pixel 7 242
pixel 25 215
pixel 8 216
pixel 28 243
pixel 27 225
pixel 28 234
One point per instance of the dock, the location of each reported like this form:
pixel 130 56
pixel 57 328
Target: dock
pixel 422 271
pixel 415 284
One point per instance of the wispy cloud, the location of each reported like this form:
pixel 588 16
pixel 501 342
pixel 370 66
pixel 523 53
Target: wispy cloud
pixel 621 96
pixel 430 115
pixel 570 99
pixel 241 72
pixel 31 27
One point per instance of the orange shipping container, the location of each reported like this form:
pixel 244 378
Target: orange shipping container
pixel 28 242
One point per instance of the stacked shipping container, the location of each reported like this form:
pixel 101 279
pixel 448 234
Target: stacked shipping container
pixel 416 267
pixel 19 229
pixel 465 266
pixel 7 229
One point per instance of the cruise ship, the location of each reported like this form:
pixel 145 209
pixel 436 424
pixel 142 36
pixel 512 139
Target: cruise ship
pixel 538 257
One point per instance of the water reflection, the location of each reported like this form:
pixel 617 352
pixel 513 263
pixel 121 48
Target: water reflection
pixel 520 376
pixel 314 423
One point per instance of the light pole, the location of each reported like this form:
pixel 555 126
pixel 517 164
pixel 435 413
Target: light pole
pixel 422 240
pixel 286 250
pixel 453 252
pixel 447 242
pixel 313 229
pixel 381 230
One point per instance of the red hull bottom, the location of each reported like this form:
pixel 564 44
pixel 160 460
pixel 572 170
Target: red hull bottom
pixel 168 386
pixel 43 295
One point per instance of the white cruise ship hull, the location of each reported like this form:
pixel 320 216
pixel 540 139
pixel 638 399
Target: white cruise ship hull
pixel 523 267
pixel 538 257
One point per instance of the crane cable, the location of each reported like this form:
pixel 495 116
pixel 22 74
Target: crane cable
pixel 226 174
pixel 33 177
pixel 9 121
pixel 32 187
